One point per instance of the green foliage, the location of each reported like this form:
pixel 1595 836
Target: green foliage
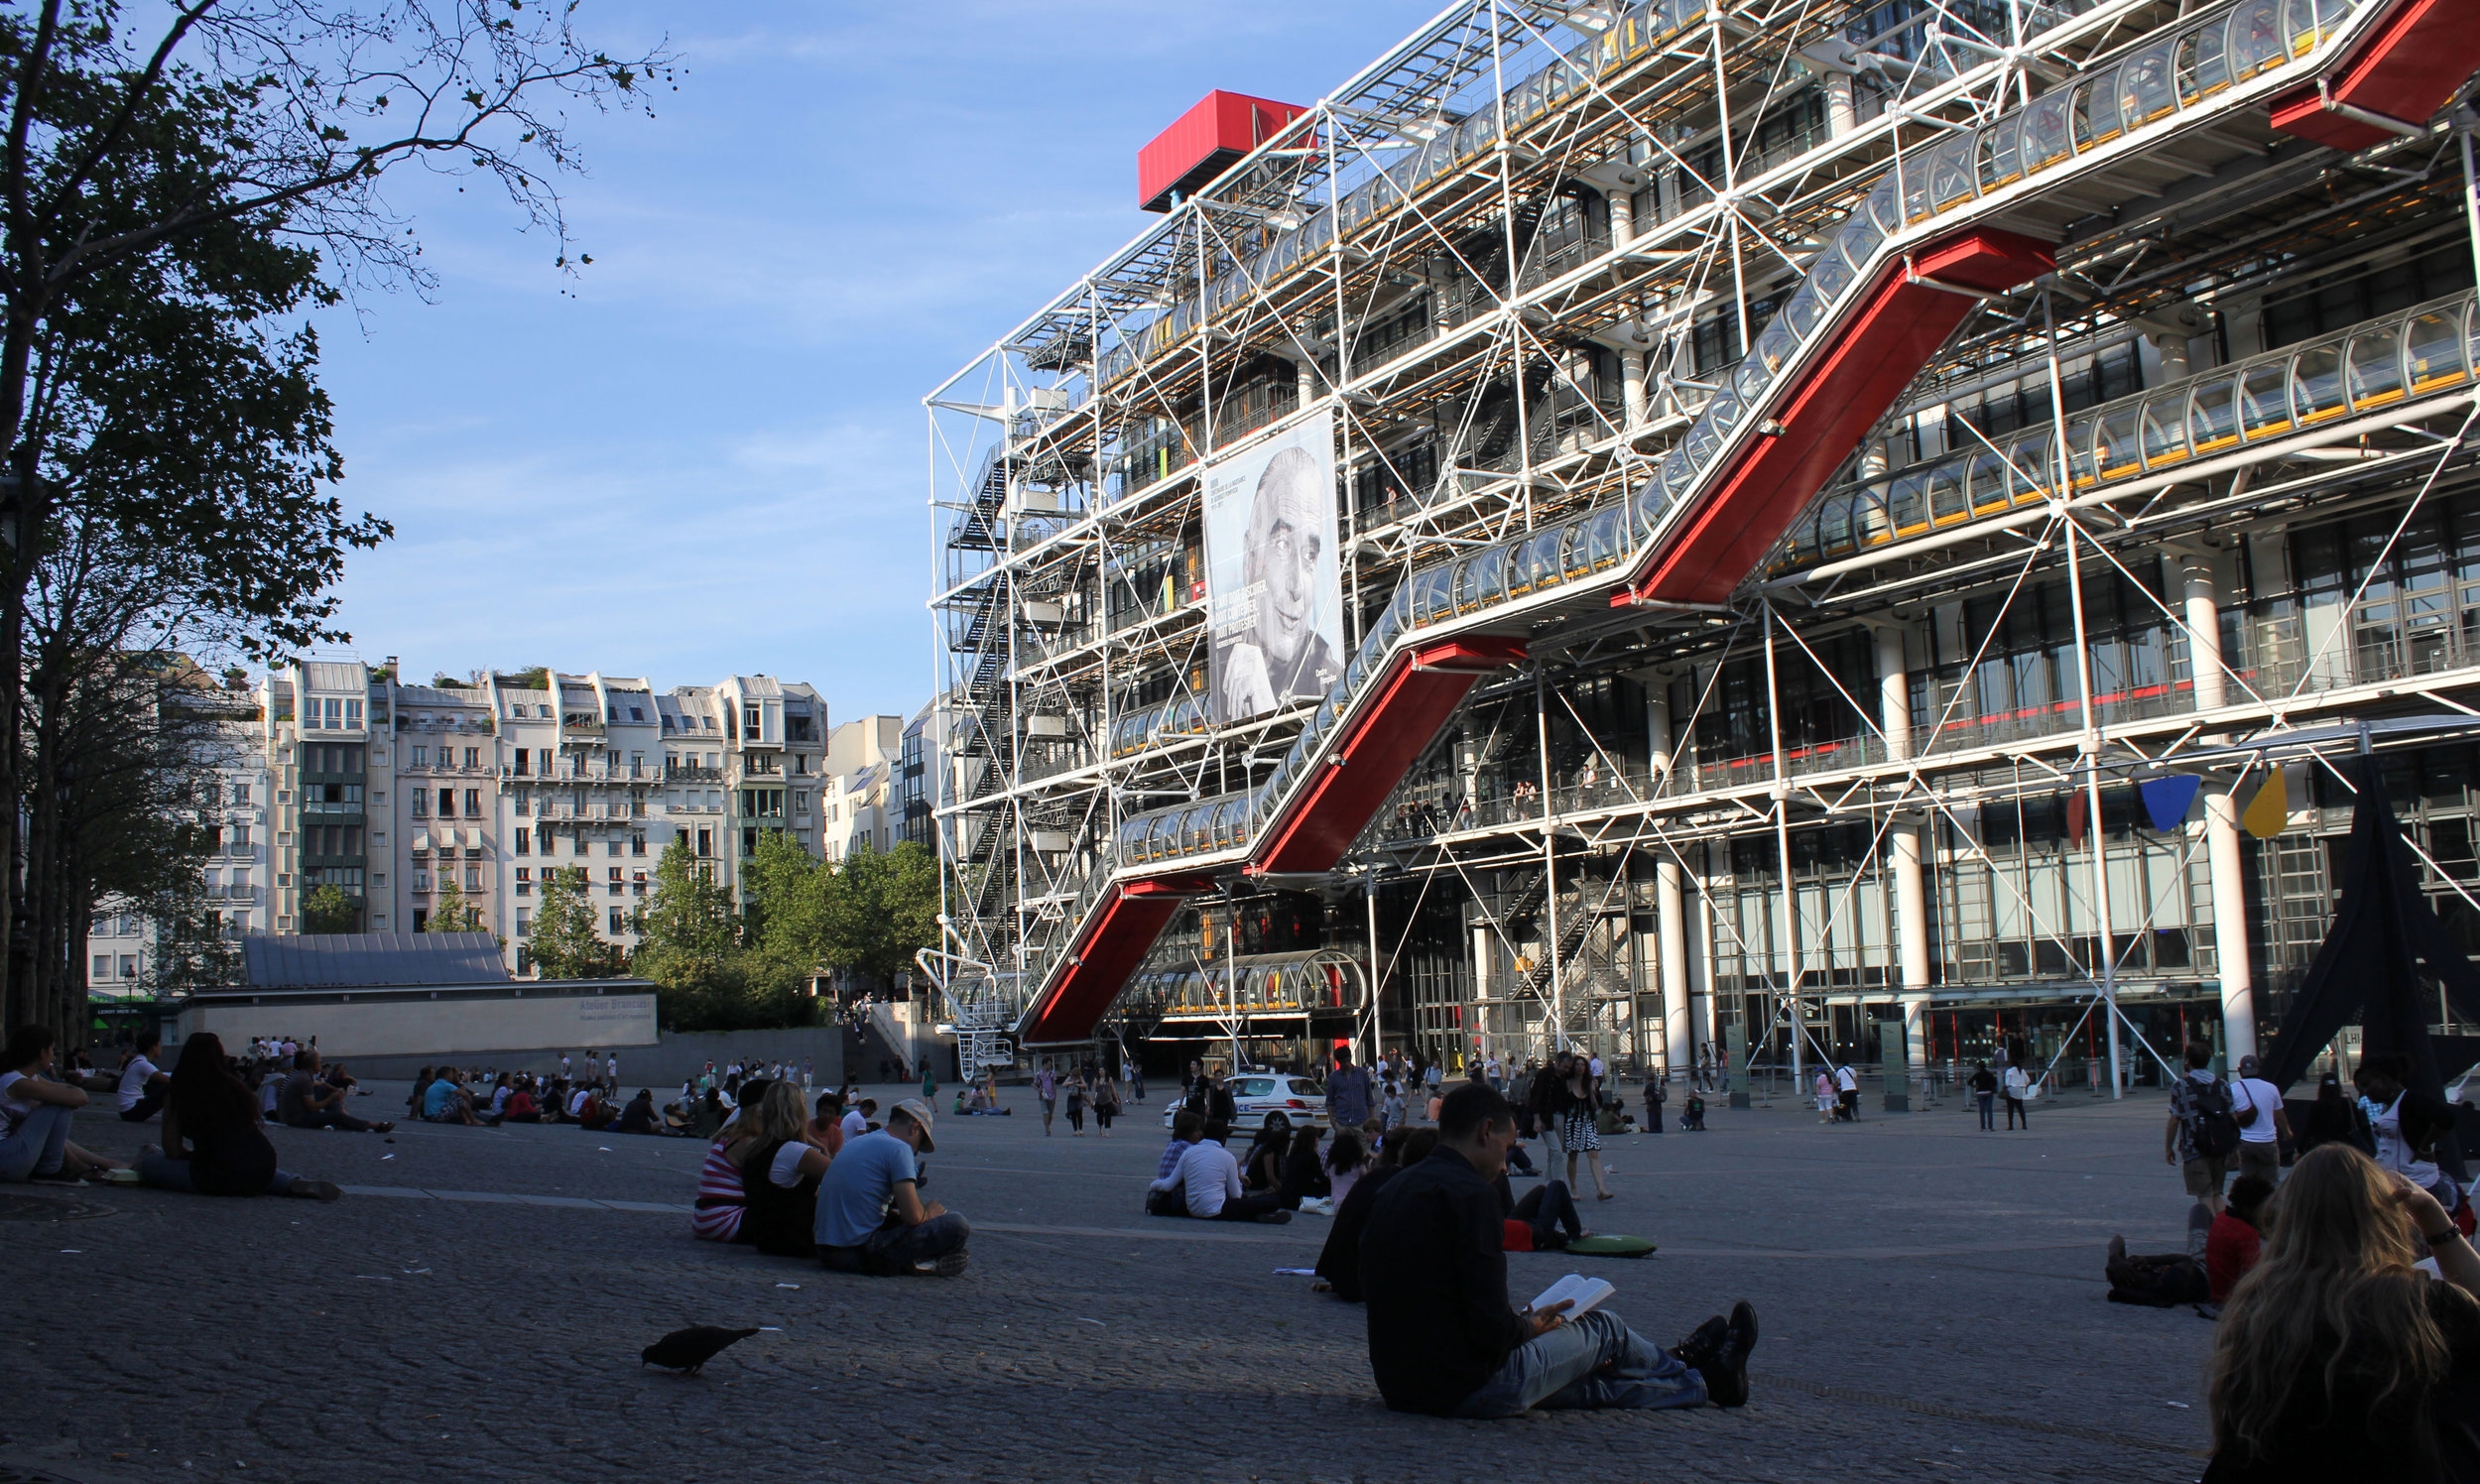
pixel 453 914
pixel 721 968
pixel 330 909
pixel 563 941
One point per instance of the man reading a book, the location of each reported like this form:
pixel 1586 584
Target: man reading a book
pixel 1445 1339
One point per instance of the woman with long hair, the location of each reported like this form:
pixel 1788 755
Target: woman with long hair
pixel 780 1171
pixel 1261 1169
pixel 1578 1130
pixel 2335 1357
pixel 1105 1104
pixel 214 1142
pixel 1304 1175
pixel 1348 1159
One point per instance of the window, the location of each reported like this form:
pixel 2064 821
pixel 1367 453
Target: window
pixel 241 839
pixel 129 924
pixel 525 925
pixel 637 844
pixel 422 879
pixel 334 712
pixel 422 804
pixel 241 792
pixel 473 757
pixel 615 881
pixel 708 723
pixel 525 846
pixel 421 757
pixel 637 713
pixel 801 800
pixel 749 839
pixel 447 803
pixel 102 966
pixel 473 804
pixel 474 878
pixel 523 756
pixel 705 842
pixel 525 881
pixel 546 762
pixel 619 921
pixel 354 715
pixel 421 919
pixel 129 965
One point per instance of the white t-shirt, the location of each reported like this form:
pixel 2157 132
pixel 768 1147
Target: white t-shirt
pixel 13 1108
pixel 268 1092
pixel 1597 1065
pixel 785 1170
pixel 2018 1083
pixel 2393 1153
pixel 1843 1079
pixel 134 1081
pixel 854 1124
pixel 2266 1098
pixel 576 1103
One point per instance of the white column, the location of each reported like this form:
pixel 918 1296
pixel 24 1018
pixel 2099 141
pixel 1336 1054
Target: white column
pixel 1679 1034
pixel 1840 116
pixel 1306 370
pixel 1912 947
pixel 2172 347
pixel 2221 817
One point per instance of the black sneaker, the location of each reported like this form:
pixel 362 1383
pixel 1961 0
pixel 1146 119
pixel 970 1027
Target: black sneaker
pixel 945 1266
pixel 1698 1350
pixel 1275 1218
pixel 1726 1382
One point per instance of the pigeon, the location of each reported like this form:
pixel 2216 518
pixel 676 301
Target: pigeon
pixel 688 1350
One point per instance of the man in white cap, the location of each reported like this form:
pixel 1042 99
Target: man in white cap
pixel 871 1215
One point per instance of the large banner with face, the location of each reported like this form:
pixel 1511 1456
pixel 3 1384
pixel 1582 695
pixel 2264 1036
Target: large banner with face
pixel 1274 582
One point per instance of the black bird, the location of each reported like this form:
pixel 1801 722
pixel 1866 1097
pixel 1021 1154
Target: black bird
pixel 688 1350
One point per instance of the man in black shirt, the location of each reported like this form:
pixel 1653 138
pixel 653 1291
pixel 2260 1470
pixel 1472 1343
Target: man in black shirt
pixel 1442 1336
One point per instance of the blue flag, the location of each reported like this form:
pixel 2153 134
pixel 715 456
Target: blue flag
pixel 2169 799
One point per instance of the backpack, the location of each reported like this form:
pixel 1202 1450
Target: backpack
pixel 2210 1126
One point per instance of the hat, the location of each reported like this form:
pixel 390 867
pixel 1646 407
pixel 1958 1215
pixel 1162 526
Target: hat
pixel 2247 1066
pixel 918 1111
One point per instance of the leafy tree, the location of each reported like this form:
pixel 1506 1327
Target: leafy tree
pixel 181 183
pixel 564 942
pixel 330 909
pixel 453 913
pixel 883 910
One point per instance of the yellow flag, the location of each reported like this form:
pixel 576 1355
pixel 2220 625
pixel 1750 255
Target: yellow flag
pixel 2269 811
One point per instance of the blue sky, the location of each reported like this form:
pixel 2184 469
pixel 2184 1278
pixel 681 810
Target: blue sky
pixel 706 453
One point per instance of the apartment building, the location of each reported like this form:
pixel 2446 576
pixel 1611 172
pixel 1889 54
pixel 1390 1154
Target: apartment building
pixel 121 943
pixel 1828 516
pixel 861 804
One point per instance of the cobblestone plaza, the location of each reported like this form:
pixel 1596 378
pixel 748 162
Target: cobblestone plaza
pixel 1931 1297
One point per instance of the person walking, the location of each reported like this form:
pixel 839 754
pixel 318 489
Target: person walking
pixel 1653 1102
pixel 1046 1092
pixel 1985 1092
pixel 1105 1106
pixel 1847 1093
pixel 1822 1088
pixel 1578 1132
pixel 2019 1087
pixel 1076 1096
pixel 2201 1134
pixel 2256 1106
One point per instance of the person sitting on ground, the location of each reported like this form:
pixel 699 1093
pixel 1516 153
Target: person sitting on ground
pixel 306 1102
pixel 1347 1159
pixel 639 1116
pixel 2160 1280
pixel 826 1130
pixel 1692 1113
pixel 143 1084
pixel 503 1088
pixel 721 1200
pixel 1207 1179
pixel 590 1111
pixel 1303 1177
pixel 1340 1261
pixel 780 1169
pixel 36 1110
pixel 2335 1357
pixel 860 1117
pixel 1443 1338
pixel 446 1101
pixel 871 1215
pixel 1164 1197
pixel 520 1106
pixel 213 1141
pixel 414 1102
pixel 2236 1238
pixel 1261 1169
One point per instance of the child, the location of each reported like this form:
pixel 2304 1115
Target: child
pixel 1393 1104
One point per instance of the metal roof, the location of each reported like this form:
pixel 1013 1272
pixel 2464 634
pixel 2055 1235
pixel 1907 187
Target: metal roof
pixel 372 958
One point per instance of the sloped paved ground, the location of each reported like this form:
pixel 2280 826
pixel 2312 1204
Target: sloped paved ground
pixel 1931 1300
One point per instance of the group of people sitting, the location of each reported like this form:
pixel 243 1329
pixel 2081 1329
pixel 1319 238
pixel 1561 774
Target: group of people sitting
pixel 829 1185
pixel 443 1094
pixel 214 1140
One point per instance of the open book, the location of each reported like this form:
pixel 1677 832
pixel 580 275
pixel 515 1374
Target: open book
pixel 1584 1294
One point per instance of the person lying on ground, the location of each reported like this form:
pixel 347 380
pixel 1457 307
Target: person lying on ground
pixel 1545 1220
pixel 36 1110
pixel 871 1217
pixel 214 1142
pixel 1443 1338
pixel 142 1083
pixel 2161 1279
pixel 1207 1183
pixel 308 1102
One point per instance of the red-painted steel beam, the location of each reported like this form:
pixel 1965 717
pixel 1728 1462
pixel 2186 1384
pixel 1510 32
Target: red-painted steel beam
pixel 1118 932
pixel 2405 71
pixel 1900 324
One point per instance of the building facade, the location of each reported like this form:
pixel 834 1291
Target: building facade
pixel 1834 527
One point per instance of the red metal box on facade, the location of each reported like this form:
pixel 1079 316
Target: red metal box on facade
pixel 1207 141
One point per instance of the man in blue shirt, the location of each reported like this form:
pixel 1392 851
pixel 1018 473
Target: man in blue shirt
pixel 1347 1091
pixel 871 1215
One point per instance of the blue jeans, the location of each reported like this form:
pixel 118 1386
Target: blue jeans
pixel 1989 1106
pixel 1592 1361
pixel 38 1145
pixel 158 1170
